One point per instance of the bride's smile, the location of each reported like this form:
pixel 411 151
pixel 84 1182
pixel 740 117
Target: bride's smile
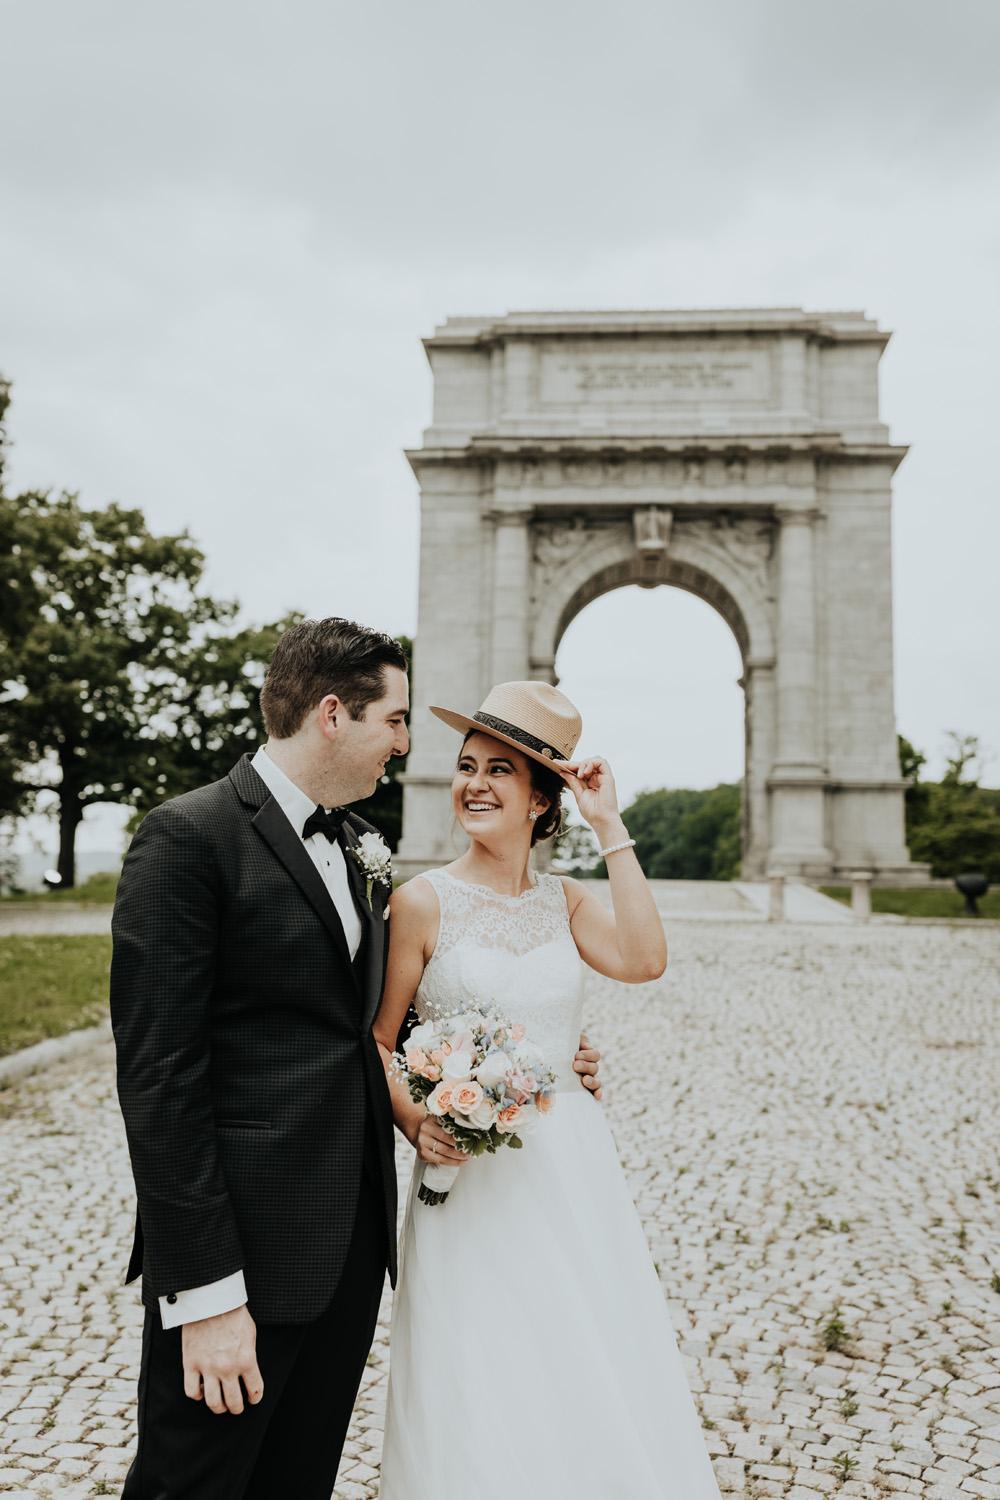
pixel 493 789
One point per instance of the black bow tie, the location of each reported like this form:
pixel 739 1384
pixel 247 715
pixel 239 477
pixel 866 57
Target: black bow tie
pixel 328 824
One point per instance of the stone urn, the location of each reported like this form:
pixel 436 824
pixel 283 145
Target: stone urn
pixel 972 887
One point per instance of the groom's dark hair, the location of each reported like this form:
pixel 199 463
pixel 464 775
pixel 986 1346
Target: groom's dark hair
pixel 317 657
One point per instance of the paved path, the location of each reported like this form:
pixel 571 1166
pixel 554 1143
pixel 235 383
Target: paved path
pixel 71 917
pixel 735 901
pixel 820 1134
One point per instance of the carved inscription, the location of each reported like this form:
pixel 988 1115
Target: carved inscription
pixel 599 377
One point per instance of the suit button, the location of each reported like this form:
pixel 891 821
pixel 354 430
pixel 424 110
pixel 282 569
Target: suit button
pixel 171 1298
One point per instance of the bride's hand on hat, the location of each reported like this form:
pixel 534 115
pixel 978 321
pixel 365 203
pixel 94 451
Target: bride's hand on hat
pixel 593 786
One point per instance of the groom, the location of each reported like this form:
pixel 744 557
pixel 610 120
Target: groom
pixel 247 972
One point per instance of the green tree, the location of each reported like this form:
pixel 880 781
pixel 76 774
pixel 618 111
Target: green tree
pixel 210 711
pixel 682 834
pixel 119 684
pixel 916 796
pixel 953 824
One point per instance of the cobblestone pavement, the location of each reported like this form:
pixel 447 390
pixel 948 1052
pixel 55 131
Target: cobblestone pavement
pixel 816 1169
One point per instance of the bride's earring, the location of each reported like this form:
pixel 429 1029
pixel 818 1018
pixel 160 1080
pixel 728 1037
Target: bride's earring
pixel 533 816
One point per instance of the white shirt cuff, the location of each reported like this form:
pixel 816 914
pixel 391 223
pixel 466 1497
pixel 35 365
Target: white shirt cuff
pixel 203 1301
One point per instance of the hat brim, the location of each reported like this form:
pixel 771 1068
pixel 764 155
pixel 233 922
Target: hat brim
pixel 463 724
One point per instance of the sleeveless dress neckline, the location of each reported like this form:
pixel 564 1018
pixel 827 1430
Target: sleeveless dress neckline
pixel 479 885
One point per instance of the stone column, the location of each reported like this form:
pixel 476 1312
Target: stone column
pixel 797 642
pixel 797 782
pixel 759 727
pixel 508 655
pixel 450 656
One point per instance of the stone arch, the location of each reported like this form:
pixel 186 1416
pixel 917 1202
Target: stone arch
pixel 740 599
pixel 738 455
pixel 734 586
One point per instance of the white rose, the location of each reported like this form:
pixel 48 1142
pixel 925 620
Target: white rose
pixel 458 1064
pixel 529 1056
pixel 493 1069
pixel 483 1115
pixel 422 1036
pixel 375 856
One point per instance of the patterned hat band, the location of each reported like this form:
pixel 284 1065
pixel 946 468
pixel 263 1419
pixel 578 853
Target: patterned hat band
pixel 521 735
pixel 553 723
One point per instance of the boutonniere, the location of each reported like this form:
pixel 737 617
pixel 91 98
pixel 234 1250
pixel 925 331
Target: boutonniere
pixel 374 859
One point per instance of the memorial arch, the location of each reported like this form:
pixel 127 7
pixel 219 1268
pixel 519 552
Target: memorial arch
pixel 737 455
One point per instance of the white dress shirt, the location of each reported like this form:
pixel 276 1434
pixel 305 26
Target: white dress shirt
pixel 223 1296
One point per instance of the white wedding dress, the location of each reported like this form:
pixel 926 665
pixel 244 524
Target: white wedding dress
pixel 531 1348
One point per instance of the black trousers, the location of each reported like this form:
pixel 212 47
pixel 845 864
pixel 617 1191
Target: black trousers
pixel 290 1442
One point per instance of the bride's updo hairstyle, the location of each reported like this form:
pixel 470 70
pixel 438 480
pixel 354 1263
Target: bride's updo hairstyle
pixel 548 784
pixel 551 785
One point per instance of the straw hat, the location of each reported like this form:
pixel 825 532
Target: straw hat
pixel 532 717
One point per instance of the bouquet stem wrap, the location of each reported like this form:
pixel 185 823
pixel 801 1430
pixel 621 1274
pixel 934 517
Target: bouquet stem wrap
pixel 437 1183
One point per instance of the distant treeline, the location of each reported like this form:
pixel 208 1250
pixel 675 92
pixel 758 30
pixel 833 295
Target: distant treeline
pixel 686 835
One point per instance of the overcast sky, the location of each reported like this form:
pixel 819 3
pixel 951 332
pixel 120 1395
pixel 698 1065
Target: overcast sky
pixel 226 226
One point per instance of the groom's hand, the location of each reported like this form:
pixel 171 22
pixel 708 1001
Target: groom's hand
pixel 585 1063
pixel 218 1353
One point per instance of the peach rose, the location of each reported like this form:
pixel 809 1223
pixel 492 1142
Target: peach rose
pixel 542 1104
pixel 517 1032
pixel 510 1118
pixel 438 1055
pixel 465 1097
pixel 439 1101
pixel 416 1060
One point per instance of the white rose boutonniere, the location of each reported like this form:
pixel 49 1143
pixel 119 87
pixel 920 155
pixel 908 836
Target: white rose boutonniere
pixel 373 857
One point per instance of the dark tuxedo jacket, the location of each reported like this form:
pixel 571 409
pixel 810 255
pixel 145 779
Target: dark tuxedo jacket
pixel 250 1083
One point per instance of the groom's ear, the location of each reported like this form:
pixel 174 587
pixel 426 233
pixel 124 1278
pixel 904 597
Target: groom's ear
pixel 329 712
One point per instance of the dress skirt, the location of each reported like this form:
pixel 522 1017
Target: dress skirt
pixel 532 1351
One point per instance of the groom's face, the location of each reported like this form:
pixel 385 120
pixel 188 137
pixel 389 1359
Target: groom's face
pixel 364 746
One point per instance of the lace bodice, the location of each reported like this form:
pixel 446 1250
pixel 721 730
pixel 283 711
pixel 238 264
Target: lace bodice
pixel 514 951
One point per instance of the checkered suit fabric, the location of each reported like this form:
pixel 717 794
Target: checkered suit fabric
pixel 248 1076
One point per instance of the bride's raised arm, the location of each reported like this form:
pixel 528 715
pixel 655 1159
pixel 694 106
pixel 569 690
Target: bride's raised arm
pixel 412 935
pixel 627 943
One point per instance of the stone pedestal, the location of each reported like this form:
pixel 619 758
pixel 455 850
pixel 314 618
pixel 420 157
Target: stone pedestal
pixel 861 894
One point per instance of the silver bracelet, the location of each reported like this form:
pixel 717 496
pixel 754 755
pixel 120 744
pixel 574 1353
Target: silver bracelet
pixel 614 848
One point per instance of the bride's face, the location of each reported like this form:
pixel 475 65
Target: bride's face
pixel 492 791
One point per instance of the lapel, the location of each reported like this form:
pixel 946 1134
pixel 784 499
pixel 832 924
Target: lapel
pixel 276 831
pixel 372 924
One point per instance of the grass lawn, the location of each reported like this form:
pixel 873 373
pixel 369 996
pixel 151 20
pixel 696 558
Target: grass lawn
pixel 917 903
pixel 50 985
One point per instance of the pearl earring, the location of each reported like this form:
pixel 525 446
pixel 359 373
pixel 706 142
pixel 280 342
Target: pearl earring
pixel 533 816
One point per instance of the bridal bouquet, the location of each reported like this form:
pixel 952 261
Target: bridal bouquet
pixel 482 1079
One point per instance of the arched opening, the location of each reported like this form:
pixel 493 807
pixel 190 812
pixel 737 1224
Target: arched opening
pixel 656 674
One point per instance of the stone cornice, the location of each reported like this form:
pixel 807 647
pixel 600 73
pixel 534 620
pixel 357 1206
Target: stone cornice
pixel 825 447
pixel 829 328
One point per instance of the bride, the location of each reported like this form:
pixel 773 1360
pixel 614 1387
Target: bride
pixel 531 1346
